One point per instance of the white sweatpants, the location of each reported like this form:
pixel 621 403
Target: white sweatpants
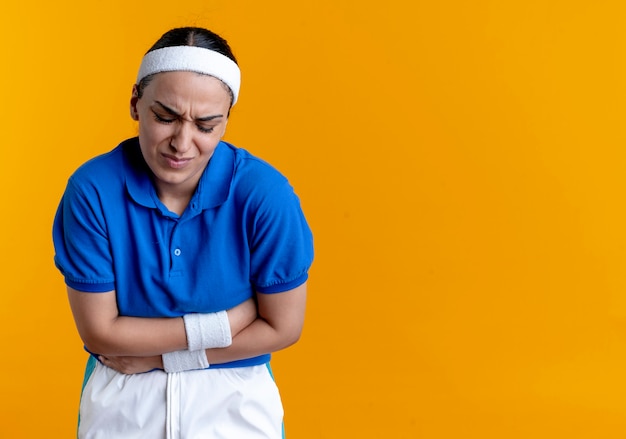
pixel 237 403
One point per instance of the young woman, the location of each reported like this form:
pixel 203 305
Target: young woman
pixel 185 259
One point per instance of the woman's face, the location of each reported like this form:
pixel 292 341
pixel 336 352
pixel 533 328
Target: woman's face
pixel 182 117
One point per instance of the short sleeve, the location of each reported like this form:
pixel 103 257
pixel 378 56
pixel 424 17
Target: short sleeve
pixel 282 242
pixel 82 250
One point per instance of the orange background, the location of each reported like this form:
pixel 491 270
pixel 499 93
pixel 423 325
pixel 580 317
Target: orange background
pixel 462 165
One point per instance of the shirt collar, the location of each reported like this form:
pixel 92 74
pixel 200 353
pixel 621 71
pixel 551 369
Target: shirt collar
pixel 213 187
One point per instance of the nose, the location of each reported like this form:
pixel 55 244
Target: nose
pixel 182 139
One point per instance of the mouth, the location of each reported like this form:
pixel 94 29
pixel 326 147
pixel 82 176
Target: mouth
pixel 176 162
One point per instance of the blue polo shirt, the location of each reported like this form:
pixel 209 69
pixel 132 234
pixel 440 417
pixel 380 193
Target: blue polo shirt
pixel 242 232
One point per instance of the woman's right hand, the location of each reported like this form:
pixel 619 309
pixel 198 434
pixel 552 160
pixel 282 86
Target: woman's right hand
pixel 241 316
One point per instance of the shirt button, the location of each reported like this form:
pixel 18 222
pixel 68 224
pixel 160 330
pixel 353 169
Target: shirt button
pixel 177 252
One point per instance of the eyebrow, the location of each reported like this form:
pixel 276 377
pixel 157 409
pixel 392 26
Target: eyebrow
pixel 175 113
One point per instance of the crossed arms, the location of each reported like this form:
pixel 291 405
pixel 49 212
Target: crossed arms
pixel 135 344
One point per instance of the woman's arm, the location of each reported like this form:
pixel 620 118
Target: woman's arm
pixel 105 332
pixel 279 325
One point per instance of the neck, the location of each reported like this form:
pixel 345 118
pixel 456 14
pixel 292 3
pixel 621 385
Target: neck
pixel 176 205
pixel 175 199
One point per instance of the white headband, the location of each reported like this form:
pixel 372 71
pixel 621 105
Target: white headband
pixel 192 59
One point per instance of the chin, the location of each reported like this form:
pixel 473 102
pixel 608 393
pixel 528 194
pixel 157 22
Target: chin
pixel 173 180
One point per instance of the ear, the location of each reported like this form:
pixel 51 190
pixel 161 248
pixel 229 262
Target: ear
pixel 134 114
pixel 224 129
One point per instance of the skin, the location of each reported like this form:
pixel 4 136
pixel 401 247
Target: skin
pixel 182 117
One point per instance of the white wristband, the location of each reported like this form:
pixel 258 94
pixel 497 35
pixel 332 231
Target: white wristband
pixel 207 331
pixel 181 361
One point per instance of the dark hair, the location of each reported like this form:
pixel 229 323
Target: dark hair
pixel 190 36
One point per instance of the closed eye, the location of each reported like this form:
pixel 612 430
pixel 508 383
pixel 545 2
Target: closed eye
pixel 162 119
pixel 205 124
pixel 205 129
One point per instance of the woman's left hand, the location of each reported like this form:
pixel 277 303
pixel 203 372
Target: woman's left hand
pixel 132 365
